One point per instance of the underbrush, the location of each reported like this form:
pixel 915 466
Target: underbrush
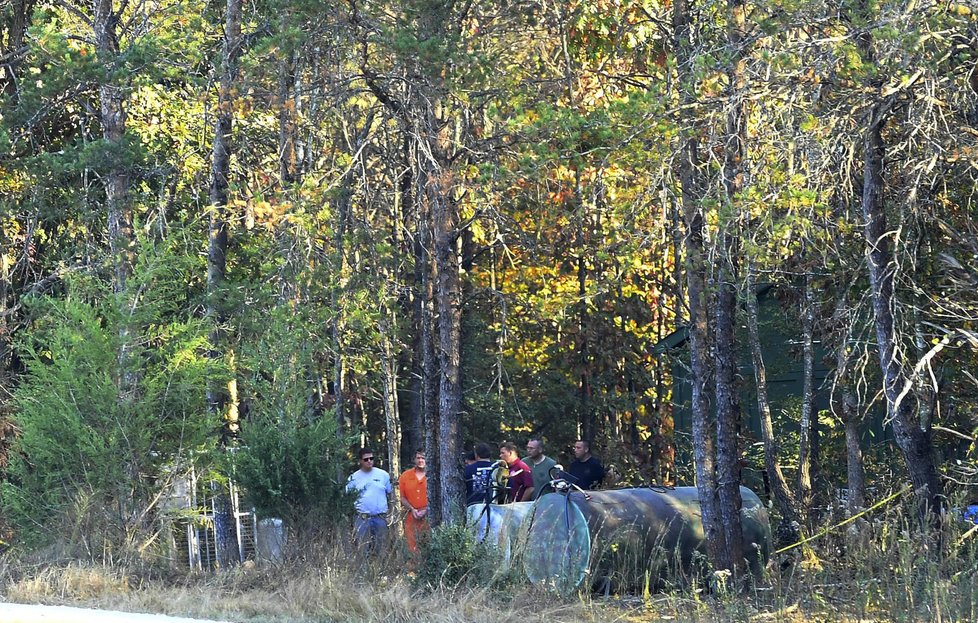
pixel 879 570
pixel 887 569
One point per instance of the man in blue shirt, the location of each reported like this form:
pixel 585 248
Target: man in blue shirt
pixel 478 476
pixel 374 486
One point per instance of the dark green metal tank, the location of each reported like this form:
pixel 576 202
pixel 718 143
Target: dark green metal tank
pixel 632 538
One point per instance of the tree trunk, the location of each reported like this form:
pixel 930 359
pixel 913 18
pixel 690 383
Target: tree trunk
pixel 848 411
pixel 112 99
pixel 221 400
pixel 342 206
pixel 6 327
pixel 587 423
pixel 14 51
pixel 290 171
pixel 448 304
pixel 704 450
pixel 429 360
pixel 392 415
pixel 855 469
pixel 913 439
pixel 217 396
pixel 675 224
pixel 412 402
pixel 728 419
pixel 789 529
pixel 914 442
pixel 725 320
pixel 807 396
pixel 112 112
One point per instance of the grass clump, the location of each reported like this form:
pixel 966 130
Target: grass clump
pixel 452 558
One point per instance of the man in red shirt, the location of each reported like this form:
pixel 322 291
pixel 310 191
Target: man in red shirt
pixel 413 487
pixel 520 487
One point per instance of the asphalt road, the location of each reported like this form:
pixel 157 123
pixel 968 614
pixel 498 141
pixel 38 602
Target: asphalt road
pixel 20 613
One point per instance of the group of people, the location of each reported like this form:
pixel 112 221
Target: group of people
pixel 510 479
pixel 526 479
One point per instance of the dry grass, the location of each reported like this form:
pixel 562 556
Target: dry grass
pixel 336 594
pixel 71 583
pixel 281 594
pixel 879 573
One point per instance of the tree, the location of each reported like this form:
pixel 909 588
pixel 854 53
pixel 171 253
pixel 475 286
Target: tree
pixel 912 434
pixel 704 429
pixel 217 241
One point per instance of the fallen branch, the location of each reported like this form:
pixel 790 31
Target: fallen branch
pixel 846 521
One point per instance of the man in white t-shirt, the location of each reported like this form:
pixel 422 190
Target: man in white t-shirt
pixel 374 487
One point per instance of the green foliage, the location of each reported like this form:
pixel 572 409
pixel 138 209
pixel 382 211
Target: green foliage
pixel 292 457
pixel 290 467
pixel 96 435
pixel 563 124
pixel 453 559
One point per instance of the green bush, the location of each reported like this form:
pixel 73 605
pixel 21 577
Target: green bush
pixel 289 467
pixel 452 558
pixel 97 431
pixel 293 460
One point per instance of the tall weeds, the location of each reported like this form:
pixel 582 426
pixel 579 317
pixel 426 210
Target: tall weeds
pixel 880 570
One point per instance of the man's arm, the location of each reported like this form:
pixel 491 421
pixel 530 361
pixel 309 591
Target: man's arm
pixel 391 497
pixel 404 500
pixel 407 505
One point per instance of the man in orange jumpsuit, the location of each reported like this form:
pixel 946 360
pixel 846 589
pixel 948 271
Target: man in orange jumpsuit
pixel 413 486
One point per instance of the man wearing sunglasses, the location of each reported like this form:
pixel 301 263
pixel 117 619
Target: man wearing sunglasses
pixel 374 486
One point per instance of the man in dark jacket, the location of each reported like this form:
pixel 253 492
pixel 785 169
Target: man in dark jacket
pixel 478 476
pixel 586 469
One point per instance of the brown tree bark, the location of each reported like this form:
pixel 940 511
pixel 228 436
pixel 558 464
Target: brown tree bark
pixel 448 306
pixel 416 386
pixel 429 359
pixel 725 319
pixel 112 101
pixel 113 97
pixel 728 417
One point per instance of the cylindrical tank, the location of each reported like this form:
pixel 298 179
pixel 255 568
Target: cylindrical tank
pixel 498 524
pixel 630 537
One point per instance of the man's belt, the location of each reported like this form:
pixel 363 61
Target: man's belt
pixel 371 515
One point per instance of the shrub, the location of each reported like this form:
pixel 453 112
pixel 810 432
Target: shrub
pixel 289 467
pixel 293 460
pixel 452 558
pixel 96 430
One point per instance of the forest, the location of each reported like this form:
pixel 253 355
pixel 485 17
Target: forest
pixel 245 239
